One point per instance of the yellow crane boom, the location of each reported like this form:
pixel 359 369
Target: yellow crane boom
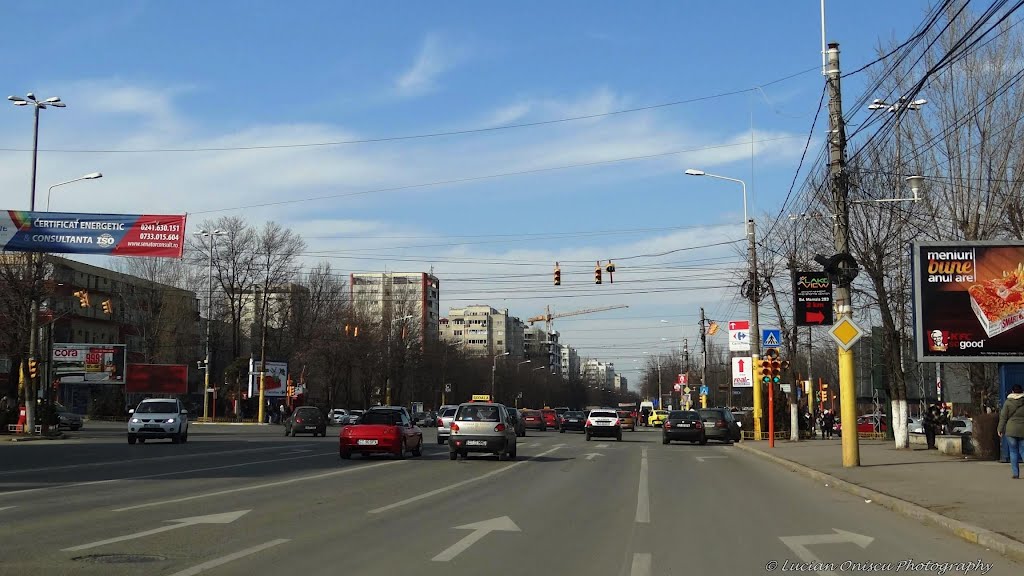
pixel 547 317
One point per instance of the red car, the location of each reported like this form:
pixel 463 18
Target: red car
pixel 869 423
pixel 534 420
pixel 551 418
pixel 381 430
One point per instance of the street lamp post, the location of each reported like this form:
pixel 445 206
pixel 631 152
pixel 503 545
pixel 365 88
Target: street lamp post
pixel 30 388
pixel 753 294
pixel 90 176
pixel 494 370
pixel 212 234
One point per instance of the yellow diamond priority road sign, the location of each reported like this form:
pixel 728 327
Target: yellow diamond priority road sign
pixel 846 333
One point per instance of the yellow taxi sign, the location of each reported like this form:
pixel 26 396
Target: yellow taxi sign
pixel 846 332
pixel 481 398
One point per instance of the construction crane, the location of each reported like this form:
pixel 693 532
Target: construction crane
pixel 548 317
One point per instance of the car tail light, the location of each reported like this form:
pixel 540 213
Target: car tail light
pixel 667 425
pixel 589 423
pixel 298 419
pixel 454 427
pixel 617 422
pixel 699 424
pixel 499 428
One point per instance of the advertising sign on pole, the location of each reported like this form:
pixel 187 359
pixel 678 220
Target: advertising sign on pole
pixel 276 380
pixel 91 363
pixel 812 299
pixel 742 372
pixel 157 379
pixel 109 234
pixel 739 336
pixel 969 301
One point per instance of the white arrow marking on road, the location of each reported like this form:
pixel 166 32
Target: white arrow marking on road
pixel 2 508
pixel 534 445
pixel 229 558
pixel 799 544
pixel 641 565
pixel 558 445
pixel 222 518
pixel 590 455
pixel 602 445
pixel 479 530
pixel 705 458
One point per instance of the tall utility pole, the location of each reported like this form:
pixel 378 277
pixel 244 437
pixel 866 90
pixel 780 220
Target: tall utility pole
pixel 755 329
pixel 844 308
pixel 704 353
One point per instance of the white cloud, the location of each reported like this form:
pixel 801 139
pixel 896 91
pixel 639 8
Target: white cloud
pixel 434 58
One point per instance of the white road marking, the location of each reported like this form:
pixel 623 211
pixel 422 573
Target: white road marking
pixel 479 530
pixel 229 558
pixel 456 485
pixel 176 473
pixel 643 496
pixel 590 456
pixel 534 445
pixel 297 451
pixel 2 508
pixel 260 486
pixel 799 544
pixel 641 565
pixel 706 458
pixel 136 460
pixel 222 518
pixel 602 445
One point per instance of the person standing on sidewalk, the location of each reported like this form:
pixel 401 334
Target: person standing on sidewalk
pixel 931 425
pixel 1011 425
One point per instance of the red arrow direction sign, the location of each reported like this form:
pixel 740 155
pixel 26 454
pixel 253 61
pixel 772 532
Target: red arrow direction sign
pixel 741 366
pixel 816 317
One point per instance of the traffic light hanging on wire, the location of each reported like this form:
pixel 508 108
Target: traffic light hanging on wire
pixel 558 275
pixel 597 273
pixel 108 307
pixel 610 269
pixel 83 298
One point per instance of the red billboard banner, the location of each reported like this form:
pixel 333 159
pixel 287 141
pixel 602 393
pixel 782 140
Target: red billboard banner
pixel 157 379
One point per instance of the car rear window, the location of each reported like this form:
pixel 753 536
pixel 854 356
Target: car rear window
pixel 157 408
pixel 573 415
pixel 381 417
pixel 683 415
pixel 478 414
pixel 711 414
pixel 449 413
pixel 603 414
pixel 624 414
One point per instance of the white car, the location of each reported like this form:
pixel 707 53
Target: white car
pixel 961 426
pixel 158 418
pixel 915 425
pixel 338 416
pixel 444 423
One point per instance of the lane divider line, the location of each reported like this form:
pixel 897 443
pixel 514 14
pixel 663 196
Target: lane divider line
pixel 643 496
pixel 200 568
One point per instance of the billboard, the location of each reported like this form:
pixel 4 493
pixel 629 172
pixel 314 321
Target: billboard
pixel 108 234
pixel 91 363
pixel 812 299
pixel 157 379
pixel 276 381
pixel 969 301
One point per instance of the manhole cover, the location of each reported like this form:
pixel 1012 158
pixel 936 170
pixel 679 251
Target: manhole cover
pixel 120 558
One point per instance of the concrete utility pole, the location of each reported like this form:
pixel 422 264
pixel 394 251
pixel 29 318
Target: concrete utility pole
pixel 844 308
pixel 755 329
pixel 704 354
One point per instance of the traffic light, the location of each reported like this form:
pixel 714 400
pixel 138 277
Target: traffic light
pixel 610 269
pixel 291 390
pixel 83 298
pixel 597 273
pixel 771 367
pixel 33 368
pixel 108 307
pixel 712 328
pixel 558 275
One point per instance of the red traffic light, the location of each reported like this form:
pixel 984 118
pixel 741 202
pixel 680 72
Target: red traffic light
pixel 597 273
pixel 558 275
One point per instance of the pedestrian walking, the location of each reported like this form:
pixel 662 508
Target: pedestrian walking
pixel 931 423
pixel 830 423
pixel 1011 426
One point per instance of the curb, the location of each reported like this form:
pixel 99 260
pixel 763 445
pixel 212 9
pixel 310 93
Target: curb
pixel 37 438
pixel 1002 544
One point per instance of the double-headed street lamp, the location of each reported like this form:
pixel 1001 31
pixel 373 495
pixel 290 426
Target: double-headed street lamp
pixel 494 370
pixel 752 293
pixel 90 176
pixel 30 389
pixel 212 234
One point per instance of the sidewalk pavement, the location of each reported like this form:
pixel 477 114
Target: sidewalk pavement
pixel 974 499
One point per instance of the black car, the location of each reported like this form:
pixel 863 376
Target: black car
pixel 306 420
pixel 685 425
pixel 517 421
pixel 719 424
pixel 575 421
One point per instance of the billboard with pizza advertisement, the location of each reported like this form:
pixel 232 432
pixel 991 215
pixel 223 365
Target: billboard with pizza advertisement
pixel 969 301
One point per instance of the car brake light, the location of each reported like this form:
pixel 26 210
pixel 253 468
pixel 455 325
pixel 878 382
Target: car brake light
pixel 616 422
pixel 589 423
pixel 699 425
pixel 499 428
pixel 454 427
pixel 668 425
pixel 298 419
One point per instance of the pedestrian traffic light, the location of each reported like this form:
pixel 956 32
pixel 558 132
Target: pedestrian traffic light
pixel 558 275
pixel 33 368
pixel 610 269
pixel 108 307
pixel 597 273
pixel 776 371
pixel 83 298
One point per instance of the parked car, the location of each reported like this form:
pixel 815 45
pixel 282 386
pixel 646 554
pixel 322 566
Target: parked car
pixel 534 420
pixel 158 418
pixel 657 418
pixel 868 423
pixel 306 419
pixel 719 424
pixel 686 425
pixel 604 423
pixel 381 429
pixel 67 420
pixel 482 427
pixel 915 425
pixel 517 421
pixel 551 418
pixel 353 417
pixel 626 420
pixel 444 423
pixel 961 426
pixel 337 416
pixel 573 420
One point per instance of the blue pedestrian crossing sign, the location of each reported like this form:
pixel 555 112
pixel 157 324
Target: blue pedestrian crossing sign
pixel 703 390
pixel 771 338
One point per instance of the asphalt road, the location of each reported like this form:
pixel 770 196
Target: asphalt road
pixel 247 500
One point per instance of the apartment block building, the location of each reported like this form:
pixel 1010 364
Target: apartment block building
pixel 600 374
pixel 621 384
pixel 570 361
pixel 543 349
pixel 392 295
pixel 483 330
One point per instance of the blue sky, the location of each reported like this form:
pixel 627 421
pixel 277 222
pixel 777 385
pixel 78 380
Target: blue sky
pixel 145 75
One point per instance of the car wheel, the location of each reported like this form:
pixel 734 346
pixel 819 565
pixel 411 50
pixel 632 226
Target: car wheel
pixel 588 436
pixel 294 433
pixel 512 453
pixel 345 454
pixel 131 439
pixel 418 450
pixel 142 440
pixel 619 437
pixel 440 441
pixel 561 430
pixel 176 439
pixel 664 439
pixel 286 433
pixel 703 440
pixel 453 455
pixel 401 451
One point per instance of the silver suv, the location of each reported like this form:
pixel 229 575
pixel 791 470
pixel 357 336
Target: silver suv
pixel 158 418
pixel 482 427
